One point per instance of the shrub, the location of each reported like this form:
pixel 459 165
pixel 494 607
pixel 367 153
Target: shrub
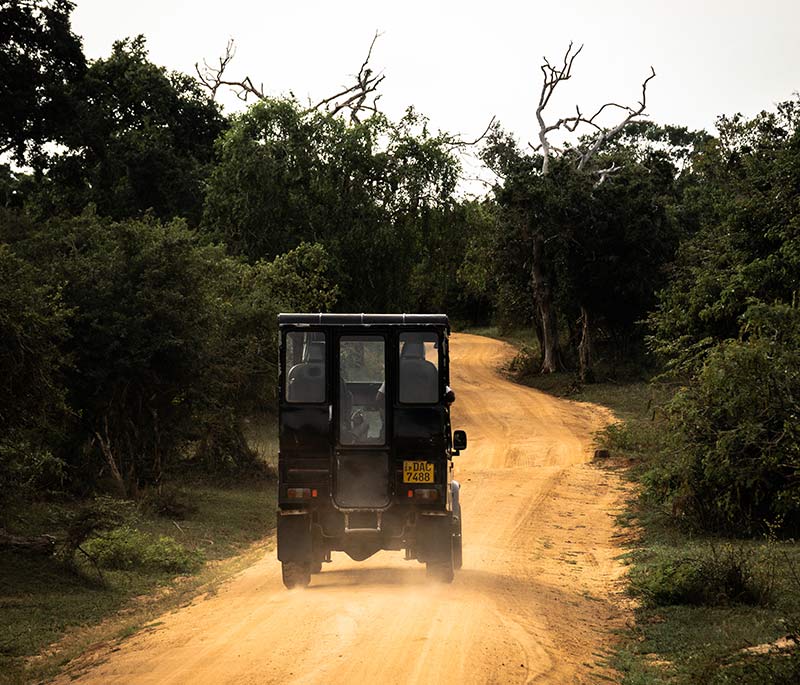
pixel 97 515
pixel 738 428
pixel 727 576
pixel 127 548
pixel 525 363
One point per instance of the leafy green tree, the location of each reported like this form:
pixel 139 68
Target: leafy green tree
pixel 364 190
pixel 142 140
pixel 728 324
pixel 743 198
pixel 40 61
pixel 238 377
pixel 299 280
pixel 142 313
pixel 32 329
pixel 600 241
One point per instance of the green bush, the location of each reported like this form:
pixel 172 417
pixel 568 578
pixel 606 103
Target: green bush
pixel 127 548
pixel 727 576
pixel 737 427
pixel 525 363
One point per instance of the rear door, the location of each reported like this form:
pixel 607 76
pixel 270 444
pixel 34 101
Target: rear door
pixel 305 411
pixel 362 422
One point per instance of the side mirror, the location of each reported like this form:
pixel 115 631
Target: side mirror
pixel 449 396
pixel 459 440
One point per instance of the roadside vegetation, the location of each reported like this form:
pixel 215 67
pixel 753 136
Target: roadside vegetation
pixel 709 424
pixel 148 239
pixel 120 564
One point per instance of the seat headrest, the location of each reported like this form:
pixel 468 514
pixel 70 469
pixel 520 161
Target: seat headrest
pixel 413 350
pixel 316 352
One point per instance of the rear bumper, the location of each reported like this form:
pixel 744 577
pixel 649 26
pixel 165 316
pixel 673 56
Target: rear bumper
pixel 303 533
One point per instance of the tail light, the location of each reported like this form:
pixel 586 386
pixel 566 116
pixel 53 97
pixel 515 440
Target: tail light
pixel 298 493
pixel 426 494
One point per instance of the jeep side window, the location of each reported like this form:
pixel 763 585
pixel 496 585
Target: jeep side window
pixel 305 364
pixel 362 372
pixel 419 368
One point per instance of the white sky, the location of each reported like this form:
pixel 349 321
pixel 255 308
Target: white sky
pixel 462 62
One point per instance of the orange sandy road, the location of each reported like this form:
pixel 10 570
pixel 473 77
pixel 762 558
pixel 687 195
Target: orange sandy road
pixel 535 602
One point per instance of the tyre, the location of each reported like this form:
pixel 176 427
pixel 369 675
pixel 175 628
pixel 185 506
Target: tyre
pixel 296 574
pixel 441 571
pixel 457 555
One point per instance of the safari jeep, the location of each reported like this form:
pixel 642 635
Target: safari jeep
pixel 366 447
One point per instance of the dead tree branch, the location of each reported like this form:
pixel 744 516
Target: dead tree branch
pixel 213 77
pixel 552 77
pixel 456 142
pixel 605 173
pixel 555 75
pixel 356 97
pixel 607 134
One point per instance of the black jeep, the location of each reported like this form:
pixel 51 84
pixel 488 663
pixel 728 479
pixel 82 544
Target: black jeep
pixel 366 445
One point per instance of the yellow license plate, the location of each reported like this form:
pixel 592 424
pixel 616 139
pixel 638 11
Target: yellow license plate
pixel 417 472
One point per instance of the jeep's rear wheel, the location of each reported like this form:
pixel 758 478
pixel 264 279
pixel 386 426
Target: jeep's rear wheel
pixel 296 574
pixel 441 571
pixel 457 553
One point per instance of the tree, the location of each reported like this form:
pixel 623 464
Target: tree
pixel 32 329
pixel 537 174
pixel 41 59
pixel 357 98
pixel 365 190
pixel 142 141
pixel 736 428
pixel 742 199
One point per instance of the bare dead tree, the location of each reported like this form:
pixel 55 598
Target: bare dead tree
pixel 213 77
pixel 552 77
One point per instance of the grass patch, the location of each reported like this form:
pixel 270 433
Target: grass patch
pixel 159 558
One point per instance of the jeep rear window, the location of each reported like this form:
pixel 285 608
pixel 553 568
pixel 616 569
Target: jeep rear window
pixel 362 383
pixel 419 368
pixel 305 367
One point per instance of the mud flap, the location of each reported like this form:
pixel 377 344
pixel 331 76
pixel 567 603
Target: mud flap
pixel 294 537
pixel 434 535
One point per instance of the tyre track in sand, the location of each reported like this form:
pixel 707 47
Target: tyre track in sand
pixel 537 600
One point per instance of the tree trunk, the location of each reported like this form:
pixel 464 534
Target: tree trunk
pixel 35 544
pixel 105 447
pixel 585 349
pixel 544 303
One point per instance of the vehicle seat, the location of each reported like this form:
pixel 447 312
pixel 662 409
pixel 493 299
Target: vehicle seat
pixel 306 381
pixel 419 379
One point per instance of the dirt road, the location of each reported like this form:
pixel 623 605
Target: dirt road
pixel 535 602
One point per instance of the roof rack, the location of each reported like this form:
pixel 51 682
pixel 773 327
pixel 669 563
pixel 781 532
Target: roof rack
pixel 363 319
